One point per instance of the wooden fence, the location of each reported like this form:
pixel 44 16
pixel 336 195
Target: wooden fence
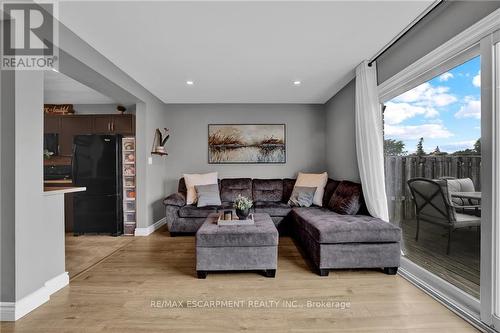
pixel 399 169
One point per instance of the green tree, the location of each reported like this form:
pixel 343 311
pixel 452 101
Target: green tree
pixel 420 148
pixel 477 146
pixel 467 151
pixel 394 147
pixel 476 150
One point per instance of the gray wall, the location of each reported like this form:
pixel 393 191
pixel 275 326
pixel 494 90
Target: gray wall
pixel 32 239
pixel 33 245
pixel 188 147
pixel 7 187
pixel 158 172
pixel 54 251
pixel 94 108
pixel 445 22
pixel 99 108
pixel 341 160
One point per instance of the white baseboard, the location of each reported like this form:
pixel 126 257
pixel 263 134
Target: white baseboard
pixel 57 283
pixel 495 320
pixel 150 229
pixel 12 311
pixel 7 311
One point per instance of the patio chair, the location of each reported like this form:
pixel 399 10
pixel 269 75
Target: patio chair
pixel 433 205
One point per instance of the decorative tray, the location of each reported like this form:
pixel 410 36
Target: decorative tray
pixel 249 221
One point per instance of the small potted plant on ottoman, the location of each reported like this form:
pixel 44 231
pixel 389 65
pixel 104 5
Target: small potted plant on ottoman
pixel 242 205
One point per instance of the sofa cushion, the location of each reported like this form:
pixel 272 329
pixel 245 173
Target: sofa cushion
pixel 231 187
pixel 327 227
pixel 267 190
pixel 318 180
pixel 191 180
pixel 346 199
pixel 181 187
pixel 200 212
pixel 288 185
pixel 272 208
pixel 208 195
pixel 302 196
pixel 330 188
pixel 175 199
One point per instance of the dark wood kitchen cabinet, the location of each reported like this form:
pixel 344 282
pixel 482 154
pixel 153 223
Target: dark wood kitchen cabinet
pixel 52 124
pixel 67 126
pixel 114 124
pixel 123 124
pixel 102 124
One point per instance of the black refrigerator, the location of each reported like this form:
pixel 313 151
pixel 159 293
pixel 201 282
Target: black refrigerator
pixel 97 166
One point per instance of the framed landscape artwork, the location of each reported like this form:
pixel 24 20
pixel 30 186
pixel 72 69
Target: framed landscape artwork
pixel 246 143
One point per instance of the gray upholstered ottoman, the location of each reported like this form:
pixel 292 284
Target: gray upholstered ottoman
pixel 235 248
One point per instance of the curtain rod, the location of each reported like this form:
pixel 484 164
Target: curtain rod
pixel 417 20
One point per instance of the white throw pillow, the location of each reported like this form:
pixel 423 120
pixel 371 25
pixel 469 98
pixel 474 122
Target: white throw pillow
pixel 193 180
pixel 317 180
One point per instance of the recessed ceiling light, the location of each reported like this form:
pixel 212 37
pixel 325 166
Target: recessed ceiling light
pixel 189 83
pixel 296 83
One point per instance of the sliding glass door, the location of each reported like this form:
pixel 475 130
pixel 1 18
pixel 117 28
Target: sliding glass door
pixel 442 168
pixel 432 141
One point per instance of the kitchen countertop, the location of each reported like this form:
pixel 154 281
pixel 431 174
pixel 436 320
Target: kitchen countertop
pixel 58 161
pixel 55 182
pixel 53 190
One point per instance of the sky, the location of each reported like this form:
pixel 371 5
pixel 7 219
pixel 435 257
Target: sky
pixel 445 111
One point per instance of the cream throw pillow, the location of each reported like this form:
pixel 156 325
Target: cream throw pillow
pixel 317 180
pixel 193 180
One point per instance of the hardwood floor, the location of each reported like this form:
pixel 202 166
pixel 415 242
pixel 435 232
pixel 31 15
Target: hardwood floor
pixel 117 294
pixel 460 267
pixel 84 251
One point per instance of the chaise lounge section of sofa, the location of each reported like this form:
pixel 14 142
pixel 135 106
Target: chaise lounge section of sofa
pixel 331 240
pixel 335 241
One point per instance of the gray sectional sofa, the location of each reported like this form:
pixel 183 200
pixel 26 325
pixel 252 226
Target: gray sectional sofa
pixel 331 240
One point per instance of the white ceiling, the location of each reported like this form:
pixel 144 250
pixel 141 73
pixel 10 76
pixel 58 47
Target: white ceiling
pixel 60 89
pixel 239 52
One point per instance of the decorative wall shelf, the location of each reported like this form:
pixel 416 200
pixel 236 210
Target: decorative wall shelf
pixel 159 142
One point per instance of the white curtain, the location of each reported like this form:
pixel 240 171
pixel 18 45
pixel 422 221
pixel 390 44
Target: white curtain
pixel 370 141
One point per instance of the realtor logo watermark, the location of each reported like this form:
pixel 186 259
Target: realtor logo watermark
pixel 29 32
